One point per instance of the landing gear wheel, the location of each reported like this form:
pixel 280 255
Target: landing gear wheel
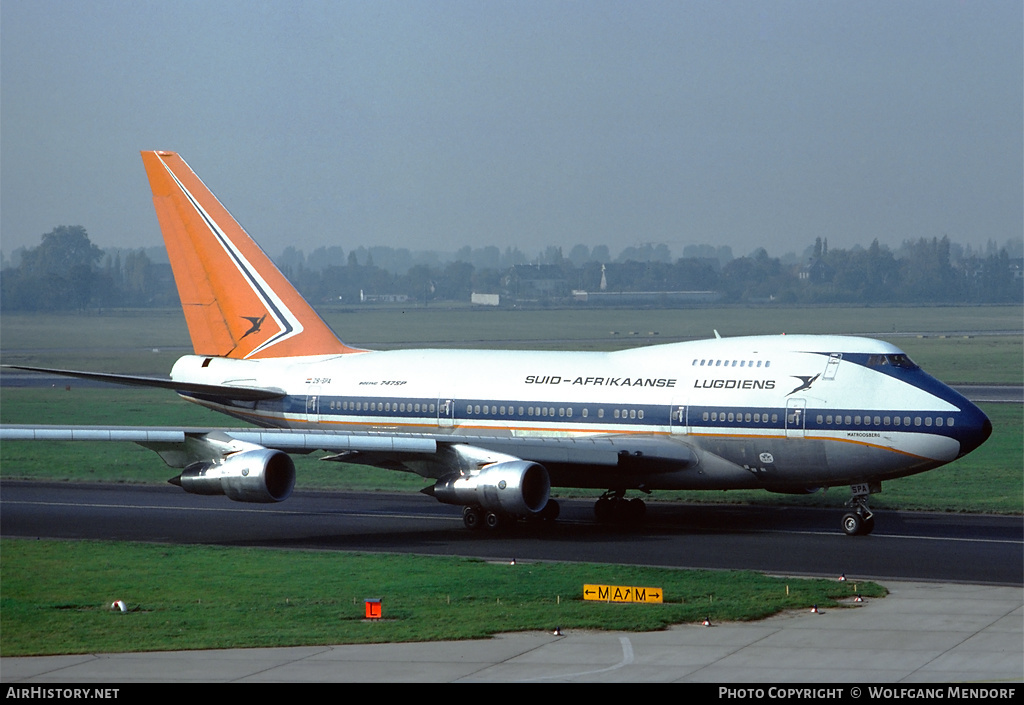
pixel 472 518
pixel 550 511
pixel 614 507
pixel 856 524
pixel 861 520
pixel 853 525
pixel 634 510
pixel 604 510
pixel 495 521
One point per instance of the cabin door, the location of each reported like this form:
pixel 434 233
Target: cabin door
pixel 796 410
pixel 677 419
pixel 313 404
pixel 445 413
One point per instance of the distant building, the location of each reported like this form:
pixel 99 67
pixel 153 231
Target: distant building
pixel 816 272
pixel 485 299
pixel 634 298
pixel 536 281
pixel 382 298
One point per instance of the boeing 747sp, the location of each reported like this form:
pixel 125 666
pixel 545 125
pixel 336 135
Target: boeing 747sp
pixel 495 430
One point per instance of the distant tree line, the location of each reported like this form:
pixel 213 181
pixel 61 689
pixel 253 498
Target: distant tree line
pixel 67 272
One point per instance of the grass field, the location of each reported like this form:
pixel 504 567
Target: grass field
pixel 57 597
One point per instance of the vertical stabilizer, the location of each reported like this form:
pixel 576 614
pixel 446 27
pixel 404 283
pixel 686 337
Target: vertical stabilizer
pixel 237 303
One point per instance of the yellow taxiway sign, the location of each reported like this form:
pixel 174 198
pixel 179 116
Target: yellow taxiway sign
pixel 622 593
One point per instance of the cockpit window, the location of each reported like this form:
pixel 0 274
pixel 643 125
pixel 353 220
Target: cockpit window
pixel 901 361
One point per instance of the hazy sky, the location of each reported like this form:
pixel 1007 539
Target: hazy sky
pixel 435 124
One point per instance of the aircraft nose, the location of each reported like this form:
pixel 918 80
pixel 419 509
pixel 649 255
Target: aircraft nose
pixel 977 429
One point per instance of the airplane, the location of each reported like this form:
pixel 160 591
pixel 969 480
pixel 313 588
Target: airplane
pixel 495 430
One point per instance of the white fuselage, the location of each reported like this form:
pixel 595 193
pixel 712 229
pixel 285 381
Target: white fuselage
pixel 784 412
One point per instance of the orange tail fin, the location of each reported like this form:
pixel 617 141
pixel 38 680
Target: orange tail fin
pixel 237 303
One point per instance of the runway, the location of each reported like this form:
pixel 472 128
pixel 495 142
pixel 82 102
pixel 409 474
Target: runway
pixel 780 540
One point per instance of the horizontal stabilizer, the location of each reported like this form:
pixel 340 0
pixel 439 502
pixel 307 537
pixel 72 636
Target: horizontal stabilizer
pixel 221 390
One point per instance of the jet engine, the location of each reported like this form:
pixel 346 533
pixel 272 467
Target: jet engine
pixel 262 475
pixel 514 487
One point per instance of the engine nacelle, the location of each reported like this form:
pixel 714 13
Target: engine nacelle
pixel 262 475
pixel 515 487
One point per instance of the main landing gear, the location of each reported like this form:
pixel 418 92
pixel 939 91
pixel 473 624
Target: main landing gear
pixel 476 517
pixel 614 508
pixel 860 521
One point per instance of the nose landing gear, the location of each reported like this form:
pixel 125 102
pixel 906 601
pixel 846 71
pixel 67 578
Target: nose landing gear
pixel 861 520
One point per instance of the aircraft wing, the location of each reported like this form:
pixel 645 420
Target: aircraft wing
pixel 377 449
pixel 173 444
